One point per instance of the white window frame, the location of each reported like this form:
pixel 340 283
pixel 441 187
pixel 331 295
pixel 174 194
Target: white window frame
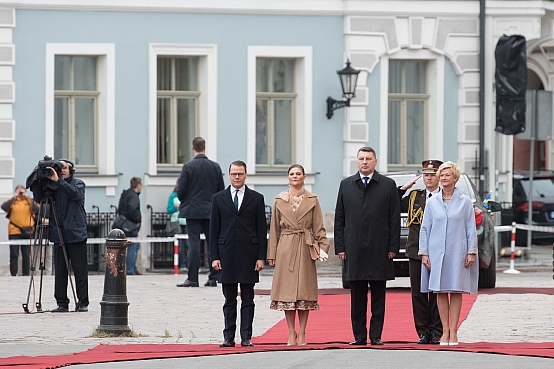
pixel 435 103
pixel 303 70
pixel 207 101
pixel 105 53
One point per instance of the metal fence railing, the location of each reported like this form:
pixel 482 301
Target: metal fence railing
pixel 98 226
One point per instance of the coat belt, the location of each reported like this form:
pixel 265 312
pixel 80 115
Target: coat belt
pixel 307 236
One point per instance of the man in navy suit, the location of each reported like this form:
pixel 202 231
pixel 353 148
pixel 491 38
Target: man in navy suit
pixel 238 248
pixel 200 179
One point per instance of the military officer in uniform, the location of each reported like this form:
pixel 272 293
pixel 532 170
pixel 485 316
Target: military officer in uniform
pixel 426 314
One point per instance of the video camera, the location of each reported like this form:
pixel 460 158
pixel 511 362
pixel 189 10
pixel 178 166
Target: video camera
pixel 39 175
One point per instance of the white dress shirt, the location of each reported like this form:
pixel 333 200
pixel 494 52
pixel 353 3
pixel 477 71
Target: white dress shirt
pixel 240 194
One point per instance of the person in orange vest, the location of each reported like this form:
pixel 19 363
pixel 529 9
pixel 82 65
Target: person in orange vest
pixel 21 211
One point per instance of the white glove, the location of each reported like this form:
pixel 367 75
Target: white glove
pixel 323 255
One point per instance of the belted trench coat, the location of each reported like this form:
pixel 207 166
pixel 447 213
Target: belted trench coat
pixel 295 276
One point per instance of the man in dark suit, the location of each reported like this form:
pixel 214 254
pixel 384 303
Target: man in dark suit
pixel 426 313
pixel 238 248
pixel 200 179
pixel 367 237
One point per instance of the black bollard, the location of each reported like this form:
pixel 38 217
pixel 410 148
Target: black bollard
pixel 114 317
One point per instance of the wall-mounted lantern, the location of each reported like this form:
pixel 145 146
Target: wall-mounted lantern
pixel 348 78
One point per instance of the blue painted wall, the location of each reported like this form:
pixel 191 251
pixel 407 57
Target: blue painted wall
pixel 131 32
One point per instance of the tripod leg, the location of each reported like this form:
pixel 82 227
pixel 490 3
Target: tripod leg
pixel 38 247
pixel 62 244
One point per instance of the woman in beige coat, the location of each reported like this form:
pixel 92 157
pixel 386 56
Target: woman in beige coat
pixel 296 225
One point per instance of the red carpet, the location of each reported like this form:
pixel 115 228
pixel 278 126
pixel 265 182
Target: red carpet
pixel 332 323
pixel 328 328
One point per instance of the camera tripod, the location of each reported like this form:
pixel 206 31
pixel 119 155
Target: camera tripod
pixel 41 240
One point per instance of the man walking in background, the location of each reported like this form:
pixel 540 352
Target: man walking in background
pixel 200 179
pixel 129 205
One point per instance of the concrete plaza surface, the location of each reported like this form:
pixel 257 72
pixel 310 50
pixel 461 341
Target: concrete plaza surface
pixel 159 312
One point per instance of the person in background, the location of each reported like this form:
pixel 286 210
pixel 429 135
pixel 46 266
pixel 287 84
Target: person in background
pixel 448 249
pixel 296 225
pixel 424 305
pixel 21 211
pixel 200 179
pixel 173 209
pixel 129 205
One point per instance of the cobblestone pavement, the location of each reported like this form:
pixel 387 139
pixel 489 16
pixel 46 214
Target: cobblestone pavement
pixel 159 312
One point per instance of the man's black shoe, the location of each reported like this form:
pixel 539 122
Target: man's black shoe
pixel 376 342
pixel 424 338
pixel 83 309
pixel 435 339
pixel 227 344
pixel 187 283
pixel 358 343
pixel 60 309
pixel 246 343
pixel 210 283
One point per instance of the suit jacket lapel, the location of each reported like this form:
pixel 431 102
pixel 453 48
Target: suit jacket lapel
pixel 227 199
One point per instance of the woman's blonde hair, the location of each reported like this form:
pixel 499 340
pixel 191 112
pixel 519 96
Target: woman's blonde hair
pixel 456 171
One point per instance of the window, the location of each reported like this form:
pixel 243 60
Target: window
pixel 177 112
pixel 407 113
pixel 75 109
pixel 275 112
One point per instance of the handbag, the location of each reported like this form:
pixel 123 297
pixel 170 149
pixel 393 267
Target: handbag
pixel 314 251
pixel 128 227
pixel 26 232
pixel 172 228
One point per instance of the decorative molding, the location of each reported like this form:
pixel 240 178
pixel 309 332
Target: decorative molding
pixel 375 26
pixel 7 168
pixel 7 17
pixel 449 26
pixel 358 132
pixel 530 27
pixel 7 92
pixel 7 54
pixel 364 60
pixel 7 130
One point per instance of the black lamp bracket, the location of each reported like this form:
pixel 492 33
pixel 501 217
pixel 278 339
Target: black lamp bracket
pixel 333 104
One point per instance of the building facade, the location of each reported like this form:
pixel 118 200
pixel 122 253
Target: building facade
pixel 121 87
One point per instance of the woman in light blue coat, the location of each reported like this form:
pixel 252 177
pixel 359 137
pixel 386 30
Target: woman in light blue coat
pixel 448 245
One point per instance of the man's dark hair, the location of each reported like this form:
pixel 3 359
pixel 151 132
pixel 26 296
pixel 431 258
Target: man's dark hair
pixel 135 181
pixel 199 144
pixel 367 149
pixel 297 166
pixel 238 163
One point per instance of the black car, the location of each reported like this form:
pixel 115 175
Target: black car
pixel 543 205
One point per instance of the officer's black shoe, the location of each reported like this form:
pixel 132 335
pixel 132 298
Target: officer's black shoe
pixel 424 338
pixel 210 283
pixel 60 309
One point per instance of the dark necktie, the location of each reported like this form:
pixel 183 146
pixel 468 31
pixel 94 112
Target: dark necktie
pixel 365 179
pixel 236 199
pixel 430 194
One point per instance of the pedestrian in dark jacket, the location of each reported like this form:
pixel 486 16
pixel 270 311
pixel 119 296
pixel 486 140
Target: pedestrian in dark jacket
pixel 367 237
pixel 200 179
pixel 129 205
pixel 70 218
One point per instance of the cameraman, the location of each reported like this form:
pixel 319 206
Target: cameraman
pixel 70 210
